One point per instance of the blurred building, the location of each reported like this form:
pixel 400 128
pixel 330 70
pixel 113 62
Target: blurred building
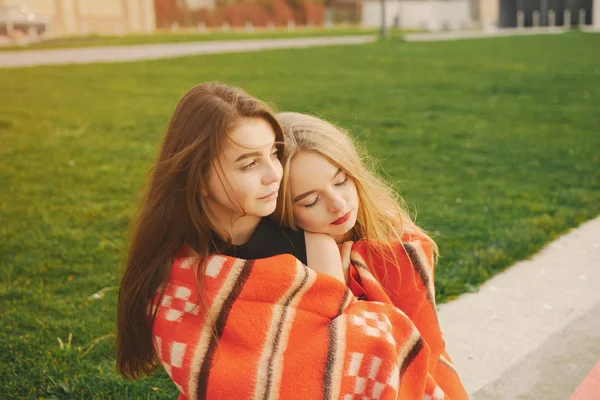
pixel 487 14
pixel 419 14
pixel 82 17
pixel 505 13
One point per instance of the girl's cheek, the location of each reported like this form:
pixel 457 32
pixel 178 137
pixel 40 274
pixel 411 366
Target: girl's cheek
pixel 304 219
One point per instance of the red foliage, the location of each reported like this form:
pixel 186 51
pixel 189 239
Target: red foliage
pixel 167 12
pixel 279 12
pixel 312 13
pixel 240 13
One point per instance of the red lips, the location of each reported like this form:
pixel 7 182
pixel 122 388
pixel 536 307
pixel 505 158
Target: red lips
pixel 341 220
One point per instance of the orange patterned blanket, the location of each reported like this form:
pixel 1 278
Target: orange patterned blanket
pixel 273 328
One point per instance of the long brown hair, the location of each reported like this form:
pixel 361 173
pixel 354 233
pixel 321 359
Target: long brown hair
pixel 382 217
pixel 173 211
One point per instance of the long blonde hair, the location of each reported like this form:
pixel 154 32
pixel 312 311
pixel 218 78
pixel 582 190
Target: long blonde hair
pixel 382 218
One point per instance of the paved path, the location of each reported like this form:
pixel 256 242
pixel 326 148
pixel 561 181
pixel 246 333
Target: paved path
pixel 533 331
pixel 441 36
pixel 86 55
pixel 28 58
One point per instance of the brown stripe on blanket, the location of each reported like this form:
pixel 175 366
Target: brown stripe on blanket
pixel 270 368
pixel 412 354
pixel 423 273
pixel 238 285
pixel 408 352
pixel 358 262
pixel 335 351
pixel 280 327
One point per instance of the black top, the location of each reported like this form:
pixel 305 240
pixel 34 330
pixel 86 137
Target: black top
pixel 269 239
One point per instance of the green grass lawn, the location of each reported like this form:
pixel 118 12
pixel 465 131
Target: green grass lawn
pixel 495 142
pixel 187 36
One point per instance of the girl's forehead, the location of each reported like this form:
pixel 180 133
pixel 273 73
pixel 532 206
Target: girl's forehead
pixel 249 134
pixel 310 160
pixel 310 171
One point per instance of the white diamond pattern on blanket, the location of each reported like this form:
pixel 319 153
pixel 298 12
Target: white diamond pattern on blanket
pixel 173 315
pixel 182 292
pixel 177 353
pixel 214 266
pixel 438 394
pixel 158 343
pixel 178 304
pixel 375 325
pixel 378 390
pixel 166 300
pixel 394 378
pixel 175 359
pixel 370 380
pixel 187 263
pixel 355 364
pixel 375 365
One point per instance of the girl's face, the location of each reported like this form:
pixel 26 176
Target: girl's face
pixel 249 180
pixel 324 198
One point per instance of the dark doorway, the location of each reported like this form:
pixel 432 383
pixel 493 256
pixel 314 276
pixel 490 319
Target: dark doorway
pixel 509 8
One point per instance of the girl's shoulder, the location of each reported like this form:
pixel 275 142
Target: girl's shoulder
pixel 410 248
pixel 420 243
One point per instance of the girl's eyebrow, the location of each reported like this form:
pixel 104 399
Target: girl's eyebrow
pixel 248 155
pixel 306 194
pixel 252 154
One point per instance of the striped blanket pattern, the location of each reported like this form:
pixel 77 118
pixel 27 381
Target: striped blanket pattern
pixel 275 329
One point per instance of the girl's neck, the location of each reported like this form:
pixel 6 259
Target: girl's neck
pixel 240 229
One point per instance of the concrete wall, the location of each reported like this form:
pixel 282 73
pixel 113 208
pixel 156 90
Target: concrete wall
pixel 489 13
pixel 82 17
pixel 419 14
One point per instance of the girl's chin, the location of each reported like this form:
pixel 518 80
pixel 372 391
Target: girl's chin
pixel 265 211
pixel 342 235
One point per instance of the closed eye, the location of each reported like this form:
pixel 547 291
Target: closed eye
pixel 313 203
pixel 342 183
